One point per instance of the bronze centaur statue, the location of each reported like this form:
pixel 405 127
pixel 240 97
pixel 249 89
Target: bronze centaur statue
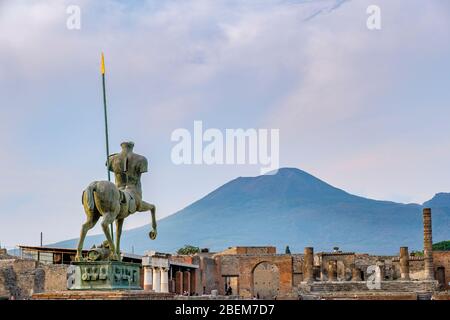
pixel 115 202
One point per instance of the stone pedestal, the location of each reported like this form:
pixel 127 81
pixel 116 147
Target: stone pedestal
pixel 104 275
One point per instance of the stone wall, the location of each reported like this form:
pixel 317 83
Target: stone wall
pixel 441 296
pixel 297 269
pixel 297 263
pixel 416 268
pixel 250 250
pixel 229 264
pixel 21 278
pixel 441 259
pixel 206 278
pixel 385 286
pixel 4 292
pixel 103 295
pixel 344 262
pixel 244 266
pixel 55 278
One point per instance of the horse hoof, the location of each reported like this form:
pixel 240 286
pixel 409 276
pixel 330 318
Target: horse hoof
pixel 152 234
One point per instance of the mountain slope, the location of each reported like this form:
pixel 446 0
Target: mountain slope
pixel 292 208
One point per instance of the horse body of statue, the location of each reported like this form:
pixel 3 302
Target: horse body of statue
pixel 115 202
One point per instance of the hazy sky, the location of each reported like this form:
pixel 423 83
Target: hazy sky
pixel 365 110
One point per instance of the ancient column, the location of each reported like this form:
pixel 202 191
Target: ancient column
pixel 148 278
pixel 193 281
pixel 187 282
pixel 404 263
pixel 332 271
pixel 428 244
pixel 179 282
pixel 164 280
pixel 156 279
pixel 308 265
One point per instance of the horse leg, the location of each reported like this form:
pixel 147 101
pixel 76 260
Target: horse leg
pixel 119 224
pixel 88 225
pixel 108 218
pixel 145 206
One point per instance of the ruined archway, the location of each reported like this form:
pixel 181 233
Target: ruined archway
pixel 266 280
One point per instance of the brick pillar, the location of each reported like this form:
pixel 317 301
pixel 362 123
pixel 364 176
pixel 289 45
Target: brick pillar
pixel 428 244
pixel 187 281
pixel 164 280
pixel 332 271
pixel 148 278
pixel 156 279
pixel 179 282
pixel 308 265
pixel 404 263
pixel 193 281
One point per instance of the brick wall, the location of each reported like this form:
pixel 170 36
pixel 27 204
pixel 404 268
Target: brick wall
pixel 442 259
pixel 244 265
pixel 250 250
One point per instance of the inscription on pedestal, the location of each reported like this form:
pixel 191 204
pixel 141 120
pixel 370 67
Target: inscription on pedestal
pixel 104 275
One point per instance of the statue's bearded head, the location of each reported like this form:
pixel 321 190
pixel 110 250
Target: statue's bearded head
pixel 127 146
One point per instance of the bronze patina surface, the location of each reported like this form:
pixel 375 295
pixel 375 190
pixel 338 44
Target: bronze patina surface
pixel 104 275
pixel 102 269
pixel 115 202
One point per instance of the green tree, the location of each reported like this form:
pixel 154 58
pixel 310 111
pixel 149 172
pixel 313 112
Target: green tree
pixel 439 246
pixel 287 250
pixel 417 253
pixel 442 246
pixel 188 250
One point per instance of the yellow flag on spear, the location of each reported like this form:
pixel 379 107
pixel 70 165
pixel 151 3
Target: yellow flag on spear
pixel 103 64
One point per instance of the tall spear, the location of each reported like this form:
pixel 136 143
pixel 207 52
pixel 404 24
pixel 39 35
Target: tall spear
pixel 106 128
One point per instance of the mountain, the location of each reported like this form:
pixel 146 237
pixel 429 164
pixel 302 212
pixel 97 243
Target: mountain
pixel 291 208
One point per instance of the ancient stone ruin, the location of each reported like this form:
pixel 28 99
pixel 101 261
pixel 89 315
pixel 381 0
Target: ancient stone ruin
pixel 254 272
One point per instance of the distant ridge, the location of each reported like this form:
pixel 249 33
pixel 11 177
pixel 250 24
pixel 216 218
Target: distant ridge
pixel 291 208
